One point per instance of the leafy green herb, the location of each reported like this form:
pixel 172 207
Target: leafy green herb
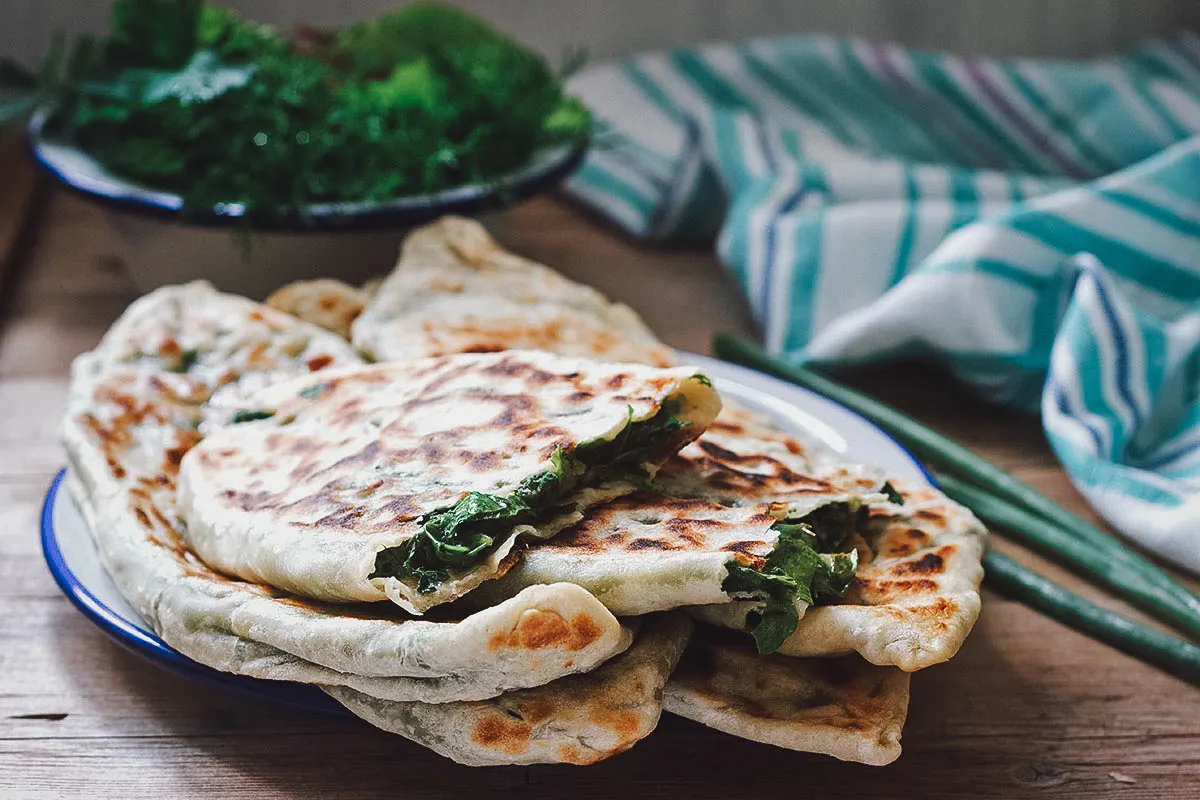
pixel 187 359
pixel 833 523
pixel 636 443
pixel 893 496
pixel 417 31
pixel 774 623
pixel 193 99
pixel 313 392
pixel 232 37
pixel 835 576
pixel 704 379
pixel 1044 524
pixel 154 33
pixel 250 415
pixel 458 537
pixel 795 571
pixel 795 556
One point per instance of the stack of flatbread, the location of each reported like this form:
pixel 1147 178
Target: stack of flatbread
pixel 484 508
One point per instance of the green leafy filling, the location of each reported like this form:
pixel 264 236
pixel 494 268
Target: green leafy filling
pixel 314 391
pixel 250 415
pixel 774 623
pixel 893 496
pixel 799 568
pixel 186 360
pixel 458 537
pixel 636 443
pixel 833 523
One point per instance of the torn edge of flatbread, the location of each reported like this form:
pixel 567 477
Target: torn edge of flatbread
pixel 914 603
pixel 915 596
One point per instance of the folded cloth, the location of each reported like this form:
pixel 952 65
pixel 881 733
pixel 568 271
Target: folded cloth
pixel 1035 226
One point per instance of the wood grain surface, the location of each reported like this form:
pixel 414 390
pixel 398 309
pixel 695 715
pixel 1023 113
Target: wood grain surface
pixel 1028 709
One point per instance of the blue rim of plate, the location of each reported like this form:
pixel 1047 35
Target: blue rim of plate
pixel 547 170
pixel 155 650
pixel 295 696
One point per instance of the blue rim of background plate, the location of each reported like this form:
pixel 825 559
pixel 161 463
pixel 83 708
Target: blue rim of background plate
pixel 296 696
pixel 545 172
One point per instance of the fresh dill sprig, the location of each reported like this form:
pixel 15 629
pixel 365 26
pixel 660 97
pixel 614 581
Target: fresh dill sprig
pixel 192 99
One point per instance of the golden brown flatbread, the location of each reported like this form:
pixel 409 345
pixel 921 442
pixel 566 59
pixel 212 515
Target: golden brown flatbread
pixel 327 303
pixel 455 290
pixel 842 707
pixel 579 719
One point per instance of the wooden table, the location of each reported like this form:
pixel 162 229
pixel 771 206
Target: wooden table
pixel 1027 709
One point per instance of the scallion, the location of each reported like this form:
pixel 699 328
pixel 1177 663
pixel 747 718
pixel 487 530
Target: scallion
pixel 1101 562
pixel 1174 655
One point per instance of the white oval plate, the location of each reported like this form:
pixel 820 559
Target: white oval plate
pixel 71 554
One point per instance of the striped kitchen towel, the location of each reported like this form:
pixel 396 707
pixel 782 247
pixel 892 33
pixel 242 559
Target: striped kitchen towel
pixel 1035 226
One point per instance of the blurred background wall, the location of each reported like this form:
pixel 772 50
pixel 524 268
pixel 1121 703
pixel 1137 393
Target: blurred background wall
pixel 1064 28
